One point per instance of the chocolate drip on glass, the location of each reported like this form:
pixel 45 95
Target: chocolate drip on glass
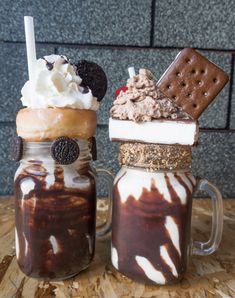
pixel 139 230
pixel 55 221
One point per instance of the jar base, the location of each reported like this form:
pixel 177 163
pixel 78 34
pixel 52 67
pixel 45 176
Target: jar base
pixel 56 279
pixel 145 280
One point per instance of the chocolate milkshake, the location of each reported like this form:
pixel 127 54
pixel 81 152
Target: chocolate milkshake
pixel 55 187
pixel 151 224
pixel 55 213
pixel 157 126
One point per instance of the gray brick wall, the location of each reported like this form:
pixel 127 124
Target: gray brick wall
pixel 117 34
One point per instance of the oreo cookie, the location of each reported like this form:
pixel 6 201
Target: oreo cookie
pixel 92 76
pixel 16 148
pixel 65 150
pixel 93 148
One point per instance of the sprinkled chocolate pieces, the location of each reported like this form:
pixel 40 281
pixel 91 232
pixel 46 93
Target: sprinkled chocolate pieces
pixel 16 148
pixel 142 101
pixel 92 76
pixel 192 81
pixel 155 157
pixel 49 64
pixel 65 150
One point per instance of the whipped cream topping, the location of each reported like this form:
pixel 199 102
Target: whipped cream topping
pixel 143 101
pixel 57 85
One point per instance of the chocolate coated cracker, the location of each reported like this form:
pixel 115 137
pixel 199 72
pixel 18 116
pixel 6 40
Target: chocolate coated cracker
pixel 192 81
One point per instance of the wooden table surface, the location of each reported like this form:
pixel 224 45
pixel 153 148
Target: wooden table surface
pixel 212 276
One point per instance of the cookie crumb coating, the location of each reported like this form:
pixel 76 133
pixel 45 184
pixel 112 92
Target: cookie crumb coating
pixel 155 157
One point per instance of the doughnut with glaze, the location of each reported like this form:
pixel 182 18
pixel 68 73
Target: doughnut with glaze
pixel 51 123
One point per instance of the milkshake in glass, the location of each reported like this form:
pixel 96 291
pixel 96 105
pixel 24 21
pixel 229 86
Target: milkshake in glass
pixel 156 125
pixel 55 184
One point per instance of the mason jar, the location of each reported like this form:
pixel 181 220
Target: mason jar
pixel 55 212
pixel 151 228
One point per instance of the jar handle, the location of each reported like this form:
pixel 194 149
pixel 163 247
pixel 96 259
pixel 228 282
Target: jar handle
pixel 207 248
pixel 109 177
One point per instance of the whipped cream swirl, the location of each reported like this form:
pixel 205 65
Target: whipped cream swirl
pixel 57 85
pixel 143 101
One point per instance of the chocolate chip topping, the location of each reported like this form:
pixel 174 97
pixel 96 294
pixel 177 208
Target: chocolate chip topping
pixel 85 90
pixel 16 148
pixel 65 60
pixel 93 148
pixel 49 65
pixel 92 76
pixel 143 101
pixel 65 150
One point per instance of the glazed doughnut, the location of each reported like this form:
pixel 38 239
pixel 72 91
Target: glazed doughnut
pixel 47 124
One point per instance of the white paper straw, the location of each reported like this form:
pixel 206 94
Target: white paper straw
pixel 30 46
pixel 131 71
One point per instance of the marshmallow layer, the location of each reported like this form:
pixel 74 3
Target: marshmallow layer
pixel 183 132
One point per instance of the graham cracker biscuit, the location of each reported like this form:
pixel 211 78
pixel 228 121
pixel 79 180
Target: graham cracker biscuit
pixel 155 157
pixel 192 81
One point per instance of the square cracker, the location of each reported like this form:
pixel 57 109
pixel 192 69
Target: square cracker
pixel 192 81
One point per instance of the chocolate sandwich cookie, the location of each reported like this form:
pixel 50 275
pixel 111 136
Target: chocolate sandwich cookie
pixel 92 147
pixel 155 157
pixel 192 81
pixel 65 150
pixel 16 149
pixel 92 76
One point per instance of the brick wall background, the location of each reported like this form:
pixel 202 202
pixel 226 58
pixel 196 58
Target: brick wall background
pixel 117 34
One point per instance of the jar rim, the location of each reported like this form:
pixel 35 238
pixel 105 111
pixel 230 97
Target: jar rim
pixel 42 151
pixel 149 170
pixel 44 144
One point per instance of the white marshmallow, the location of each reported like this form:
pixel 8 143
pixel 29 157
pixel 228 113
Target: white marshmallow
pixel 157 131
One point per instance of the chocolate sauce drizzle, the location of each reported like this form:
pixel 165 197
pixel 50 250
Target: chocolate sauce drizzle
pixel 85 89
pixel 138 229
pixel 49 65
pixel 67 214
pixel 65 61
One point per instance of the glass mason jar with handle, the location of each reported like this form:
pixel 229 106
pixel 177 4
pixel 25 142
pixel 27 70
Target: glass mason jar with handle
pixel 151 229
pixel 56 212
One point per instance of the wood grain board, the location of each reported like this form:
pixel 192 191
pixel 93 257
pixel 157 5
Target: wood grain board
pixel 212 276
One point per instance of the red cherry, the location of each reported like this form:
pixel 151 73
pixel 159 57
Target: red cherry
pixel 122 88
